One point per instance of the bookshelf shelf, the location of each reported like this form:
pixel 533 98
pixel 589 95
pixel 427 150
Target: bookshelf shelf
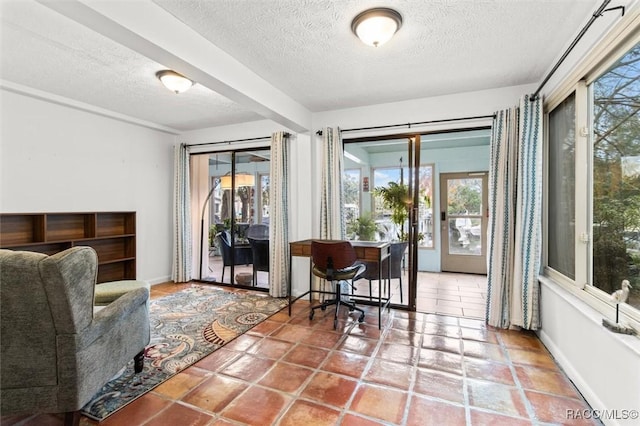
pixel 111 234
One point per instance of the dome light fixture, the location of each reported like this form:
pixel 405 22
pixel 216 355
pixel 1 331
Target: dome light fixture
pixel 376 26
pixel 174 81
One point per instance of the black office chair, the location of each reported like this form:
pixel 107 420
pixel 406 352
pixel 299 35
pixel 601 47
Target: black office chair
pixel 260 253
pixel 335 261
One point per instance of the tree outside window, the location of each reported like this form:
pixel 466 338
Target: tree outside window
pixel 616 176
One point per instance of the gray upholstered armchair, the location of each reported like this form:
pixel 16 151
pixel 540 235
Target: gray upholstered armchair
pixel 56 353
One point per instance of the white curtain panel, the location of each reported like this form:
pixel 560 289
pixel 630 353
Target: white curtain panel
pixel 332 224
pixel 199 189
pixel 182 257
pixel 279 216
pixel 503 163
pixel 515 205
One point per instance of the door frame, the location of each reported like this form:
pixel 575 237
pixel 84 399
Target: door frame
pixel 462 263
pixel 413 149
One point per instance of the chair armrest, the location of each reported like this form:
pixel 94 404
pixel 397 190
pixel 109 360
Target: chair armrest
pixel 116 312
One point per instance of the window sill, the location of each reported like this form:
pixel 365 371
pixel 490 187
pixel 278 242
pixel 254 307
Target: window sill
pixel 589 306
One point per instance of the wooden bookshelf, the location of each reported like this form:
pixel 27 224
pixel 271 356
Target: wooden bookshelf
pixel 111 234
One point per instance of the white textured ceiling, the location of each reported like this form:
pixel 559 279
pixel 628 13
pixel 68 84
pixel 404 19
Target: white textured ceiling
pixel 301 48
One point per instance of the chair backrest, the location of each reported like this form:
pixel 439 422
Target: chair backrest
pixel 225 247
pixel 241 255
pixel 341 253
pixel 258 231
pixel 395 261
pixel 43 297
pixel 260 253
pixel 397 253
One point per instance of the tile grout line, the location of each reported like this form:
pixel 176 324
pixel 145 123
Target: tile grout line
pixel 465 384
pixel 530 411
pixel 347 406
pixel 414 373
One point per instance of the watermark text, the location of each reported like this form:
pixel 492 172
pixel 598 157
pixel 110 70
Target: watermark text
pixel 613 414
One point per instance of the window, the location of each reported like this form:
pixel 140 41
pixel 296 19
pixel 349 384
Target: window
pixel 562 188
pixel 351 195
pixel 385 177
pixel 382 176
pixel 264 199
pixel 425 208
pixel 616 176
pixel 593 197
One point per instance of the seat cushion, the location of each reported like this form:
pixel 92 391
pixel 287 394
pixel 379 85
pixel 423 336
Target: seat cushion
pixel 108 292
pixel 338 274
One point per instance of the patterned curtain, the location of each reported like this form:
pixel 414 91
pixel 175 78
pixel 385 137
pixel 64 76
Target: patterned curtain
pixel 515 207
pixel 182 258
pixel 279 216
pixel 332 224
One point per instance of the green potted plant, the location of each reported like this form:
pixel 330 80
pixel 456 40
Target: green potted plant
pixel 363 227
pixel 395 197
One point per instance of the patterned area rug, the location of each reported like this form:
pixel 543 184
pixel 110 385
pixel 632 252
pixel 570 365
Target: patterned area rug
pixel 185 327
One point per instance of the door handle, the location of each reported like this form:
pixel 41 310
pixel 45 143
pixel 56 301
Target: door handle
pixel 443 216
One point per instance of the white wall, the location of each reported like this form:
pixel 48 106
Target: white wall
pixel 483 102
pixel 604 366
pixel 59 159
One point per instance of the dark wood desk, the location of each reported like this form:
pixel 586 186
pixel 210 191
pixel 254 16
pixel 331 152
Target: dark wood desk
pixel 369 251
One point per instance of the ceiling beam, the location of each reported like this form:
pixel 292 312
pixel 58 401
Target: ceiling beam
pixel 153 32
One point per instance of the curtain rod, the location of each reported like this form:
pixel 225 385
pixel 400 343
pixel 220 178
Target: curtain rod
pixel 286 135
pixel 598 13
pixel 388 126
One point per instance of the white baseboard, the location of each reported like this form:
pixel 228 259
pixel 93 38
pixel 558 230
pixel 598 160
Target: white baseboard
pixel 160 280
pixel 577 379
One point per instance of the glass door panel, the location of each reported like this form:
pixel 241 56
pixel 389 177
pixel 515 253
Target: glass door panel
pixel 379 185
pixel 239 212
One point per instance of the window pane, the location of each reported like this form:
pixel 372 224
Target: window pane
pixel 264 199
pixel 425 209
pixel 360 224
pixel 394 181
pixel 616 177
pixel 464 196
pixel 351 184
pixel 464 210
pixel 561 223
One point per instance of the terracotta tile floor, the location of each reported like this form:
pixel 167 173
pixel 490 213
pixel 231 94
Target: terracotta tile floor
pixel 420 369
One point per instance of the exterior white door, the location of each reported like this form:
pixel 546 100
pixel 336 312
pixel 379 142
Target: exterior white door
pixel 463 222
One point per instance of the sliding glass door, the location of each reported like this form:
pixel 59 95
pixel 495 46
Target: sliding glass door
pixel 387 198
pixel 238 219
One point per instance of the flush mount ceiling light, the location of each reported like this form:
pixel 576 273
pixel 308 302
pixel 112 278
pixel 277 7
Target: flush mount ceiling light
pixel 376 26
pixel 174 81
